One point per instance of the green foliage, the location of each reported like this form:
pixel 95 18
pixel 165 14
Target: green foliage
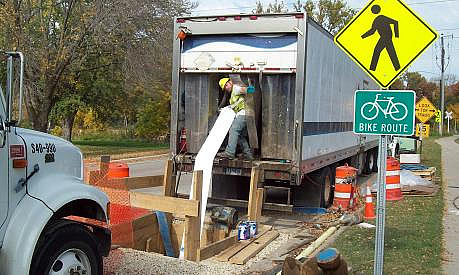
pixel 153 119
pixel 66 107
pixel 276 7
pixel 331 14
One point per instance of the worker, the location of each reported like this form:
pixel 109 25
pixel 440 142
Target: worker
pixel 238 130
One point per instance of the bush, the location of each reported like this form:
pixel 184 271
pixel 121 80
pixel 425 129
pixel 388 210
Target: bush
pixel 153 119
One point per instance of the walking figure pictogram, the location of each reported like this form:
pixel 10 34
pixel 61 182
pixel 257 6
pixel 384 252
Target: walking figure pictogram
pixel 382 24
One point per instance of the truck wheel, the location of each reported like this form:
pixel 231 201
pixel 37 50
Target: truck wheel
pixel 374 168
pixel 369 162
pixel 66 247
pixel 325 178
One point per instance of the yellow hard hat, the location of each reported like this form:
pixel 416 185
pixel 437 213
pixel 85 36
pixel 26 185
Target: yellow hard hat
pixel 222 82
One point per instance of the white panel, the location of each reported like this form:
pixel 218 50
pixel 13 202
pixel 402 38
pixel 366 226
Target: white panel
pixel 276 51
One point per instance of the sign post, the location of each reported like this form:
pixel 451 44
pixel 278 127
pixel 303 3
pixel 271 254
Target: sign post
pixel 384 55
pixel 383 113
pixel 448 116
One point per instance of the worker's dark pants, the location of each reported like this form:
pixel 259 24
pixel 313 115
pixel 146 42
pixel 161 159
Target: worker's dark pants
pixel 238 135
pixel 389 46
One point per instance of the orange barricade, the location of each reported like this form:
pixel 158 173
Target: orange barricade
pixel 393 188
pixel 344 187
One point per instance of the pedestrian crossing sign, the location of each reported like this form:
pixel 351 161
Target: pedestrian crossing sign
pixel 384 38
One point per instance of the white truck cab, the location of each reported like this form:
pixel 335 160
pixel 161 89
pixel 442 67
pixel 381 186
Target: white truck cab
pixel 50 221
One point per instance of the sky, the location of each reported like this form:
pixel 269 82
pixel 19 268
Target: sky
pixel 442 15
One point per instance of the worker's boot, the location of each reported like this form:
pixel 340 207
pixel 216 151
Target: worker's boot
pixel 248 156
pixel 225 155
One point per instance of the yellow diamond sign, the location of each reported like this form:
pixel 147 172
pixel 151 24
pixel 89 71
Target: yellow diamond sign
pixel 384 38
pixel 424 110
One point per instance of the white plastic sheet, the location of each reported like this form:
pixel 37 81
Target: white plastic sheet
pixel 205 159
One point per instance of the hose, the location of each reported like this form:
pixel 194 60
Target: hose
pixel 455 203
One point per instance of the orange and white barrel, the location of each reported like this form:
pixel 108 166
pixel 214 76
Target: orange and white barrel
pixel 393 187
pixel 344 186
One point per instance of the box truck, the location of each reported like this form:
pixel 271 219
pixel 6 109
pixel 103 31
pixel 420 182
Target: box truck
pixel 302 105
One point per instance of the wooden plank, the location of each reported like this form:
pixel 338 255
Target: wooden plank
pixel 254 180
pixel 225 255
pixel 193 224
pixel 144 228
pixel 143 182
pixel 104 164
pixel 259 204
pixel 217 247
pixel 165 204
pixel 168 184
pixel 253 248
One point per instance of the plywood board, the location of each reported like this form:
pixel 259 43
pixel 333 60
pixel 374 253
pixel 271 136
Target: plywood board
pixel 217 247
pixel 253 248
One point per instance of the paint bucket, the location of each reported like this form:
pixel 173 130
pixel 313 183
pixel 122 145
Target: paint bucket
pixel 243 231
pixel 252 228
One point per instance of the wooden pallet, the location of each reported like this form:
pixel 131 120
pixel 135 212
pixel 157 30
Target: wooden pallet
pixel 428 174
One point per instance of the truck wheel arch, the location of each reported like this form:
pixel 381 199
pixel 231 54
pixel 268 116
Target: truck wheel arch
pixel 27 224
pixel 84 208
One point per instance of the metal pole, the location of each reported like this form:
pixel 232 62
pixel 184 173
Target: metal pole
pixel 442 85
pixel 380 207
pixel 421 128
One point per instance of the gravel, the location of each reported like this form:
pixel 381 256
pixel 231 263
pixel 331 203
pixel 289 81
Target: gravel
pixel 129 261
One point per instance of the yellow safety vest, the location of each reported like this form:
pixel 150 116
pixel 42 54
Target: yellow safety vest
pixel 237 101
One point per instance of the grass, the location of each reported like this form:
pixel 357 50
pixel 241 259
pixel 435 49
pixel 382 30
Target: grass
pixel 413 234
pixel 95 147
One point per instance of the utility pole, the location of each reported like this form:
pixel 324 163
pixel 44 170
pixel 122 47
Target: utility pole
pixel 442 84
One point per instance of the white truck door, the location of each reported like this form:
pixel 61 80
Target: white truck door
pixel 4 189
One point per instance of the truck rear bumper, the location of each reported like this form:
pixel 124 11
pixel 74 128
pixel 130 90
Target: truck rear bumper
pixel 272 170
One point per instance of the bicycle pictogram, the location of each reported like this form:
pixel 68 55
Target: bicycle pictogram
pixel 397 111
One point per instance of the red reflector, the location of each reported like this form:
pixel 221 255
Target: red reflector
pixel 221 18
pixel 16 151
pixel 224 69
pixel 19 163
pixel 237 18
pixel 253 17
pixel 299 16
pixel 180 20
pixel 248 69
pixel 272 69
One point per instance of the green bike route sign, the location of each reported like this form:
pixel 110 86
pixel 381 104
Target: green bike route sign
pixel 384 112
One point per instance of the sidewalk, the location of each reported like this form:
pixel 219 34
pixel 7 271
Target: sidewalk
pixel 450 164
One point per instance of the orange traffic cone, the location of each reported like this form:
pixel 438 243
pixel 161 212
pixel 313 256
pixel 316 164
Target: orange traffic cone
pixel 369 207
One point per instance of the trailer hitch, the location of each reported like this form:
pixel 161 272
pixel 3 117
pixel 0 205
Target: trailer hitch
pixel 23 181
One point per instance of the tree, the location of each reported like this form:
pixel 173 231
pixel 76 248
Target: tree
pixel 333 15
pixel 276 7
pixel 61 39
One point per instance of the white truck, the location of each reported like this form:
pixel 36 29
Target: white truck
pixel 50 221
pixel 303 101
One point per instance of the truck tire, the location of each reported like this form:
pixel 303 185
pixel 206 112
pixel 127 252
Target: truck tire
pixel 64 246
pixel 327 182
pixel 369 162
pixel 375 164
